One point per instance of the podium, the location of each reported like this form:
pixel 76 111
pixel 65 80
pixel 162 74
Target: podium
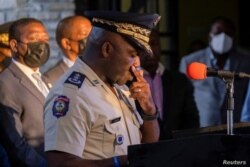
pixel 208 150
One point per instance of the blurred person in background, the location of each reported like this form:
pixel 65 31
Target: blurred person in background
pixel 222 54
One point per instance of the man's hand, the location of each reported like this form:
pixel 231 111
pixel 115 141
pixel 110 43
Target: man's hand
pixel 140 91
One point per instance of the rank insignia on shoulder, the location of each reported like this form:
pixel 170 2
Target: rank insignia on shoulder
pixel 60 106
pixel 76 79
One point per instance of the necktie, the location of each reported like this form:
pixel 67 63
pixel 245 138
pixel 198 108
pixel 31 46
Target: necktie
pixel 40 84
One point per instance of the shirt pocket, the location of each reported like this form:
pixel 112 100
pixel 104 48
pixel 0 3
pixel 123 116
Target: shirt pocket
pixel 135 133
pixel 109 137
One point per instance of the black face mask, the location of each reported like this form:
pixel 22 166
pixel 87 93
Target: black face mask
pixel 37 54
pixel 82 45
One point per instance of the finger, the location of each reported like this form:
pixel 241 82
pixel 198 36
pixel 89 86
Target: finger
pixel 139 96
pixel 138 73
pixel 139 69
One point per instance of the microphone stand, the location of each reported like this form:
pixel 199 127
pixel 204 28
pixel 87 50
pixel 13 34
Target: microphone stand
pixel 230 103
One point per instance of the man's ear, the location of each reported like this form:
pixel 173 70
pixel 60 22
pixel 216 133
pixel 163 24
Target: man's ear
pixel 107 49
pixel 65 43
pixel 13 45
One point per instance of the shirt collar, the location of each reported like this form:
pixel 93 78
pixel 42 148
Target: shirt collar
pixel 87 71
pixel 213 61
pixel 25 69
pixel 68 62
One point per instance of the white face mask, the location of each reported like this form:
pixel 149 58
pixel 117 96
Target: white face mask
pixel 221 43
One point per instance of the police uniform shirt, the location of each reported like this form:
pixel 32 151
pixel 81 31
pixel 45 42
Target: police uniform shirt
pixel 85 118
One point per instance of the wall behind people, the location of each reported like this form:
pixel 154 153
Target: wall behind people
pixel 49 12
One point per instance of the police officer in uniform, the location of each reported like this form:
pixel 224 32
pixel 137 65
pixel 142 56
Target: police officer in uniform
pixel 90 115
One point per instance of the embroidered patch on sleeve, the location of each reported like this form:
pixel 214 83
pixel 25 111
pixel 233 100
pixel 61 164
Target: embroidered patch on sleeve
pixel 60 106
pixel 76 79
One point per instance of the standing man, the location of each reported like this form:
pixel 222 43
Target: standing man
pixel 90 115
pixel 172 92
pixel 223 54
pixel 71 37
pixel 23 94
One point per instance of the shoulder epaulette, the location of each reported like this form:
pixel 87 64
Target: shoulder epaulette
pixel 76 79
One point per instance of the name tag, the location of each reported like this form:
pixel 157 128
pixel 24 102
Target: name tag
pixel 115 120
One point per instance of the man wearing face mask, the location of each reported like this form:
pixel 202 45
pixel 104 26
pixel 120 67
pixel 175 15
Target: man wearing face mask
pixel 222 53
pixel 71 37
pixel 23 94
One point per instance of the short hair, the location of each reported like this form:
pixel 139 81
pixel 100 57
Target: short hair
pixel 14 31
pixel 229 23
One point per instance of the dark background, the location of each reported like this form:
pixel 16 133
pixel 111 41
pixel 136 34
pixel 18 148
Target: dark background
pixel 182 22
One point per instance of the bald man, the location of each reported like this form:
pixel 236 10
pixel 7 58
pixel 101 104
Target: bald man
pixel 71 35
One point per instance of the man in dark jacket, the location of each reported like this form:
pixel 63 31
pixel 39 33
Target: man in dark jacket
pixel 172 93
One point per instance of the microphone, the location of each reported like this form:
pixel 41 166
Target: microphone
pixel 199 71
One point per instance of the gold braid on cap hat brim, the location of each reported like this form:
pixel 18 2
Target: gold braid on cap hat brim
pixel 140 34
pixel 4 38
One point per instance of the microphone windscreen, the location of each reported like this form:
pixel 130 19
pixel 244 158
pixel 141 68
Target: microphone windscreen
pixel 197 71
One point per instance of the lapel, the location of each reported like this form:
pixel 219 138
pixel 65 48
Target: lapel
pixel 26 83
